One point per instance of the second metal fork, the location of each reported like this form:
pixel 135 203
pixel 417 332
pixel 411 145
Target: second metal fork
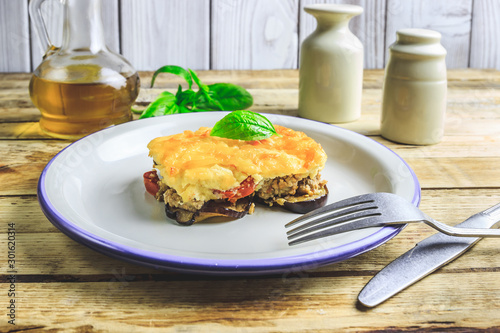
pixel 365 211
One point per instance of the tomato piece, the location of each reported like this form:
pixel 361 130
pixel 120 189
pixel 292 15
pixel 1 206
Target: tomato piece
pixel 246 188
pixel 151 182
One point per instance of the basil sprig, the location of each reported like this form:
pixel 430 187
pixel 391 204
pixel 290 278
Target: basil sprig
pixel 244 125
pixel 212 97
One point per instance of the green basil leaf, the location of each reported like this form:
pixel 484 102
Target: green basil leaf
pixel 135 110
pixel 225 97
pixel 243 125
pixel 182 109
pixel 174 70
pixel 186 97
pixel 231 96
pixel 214 97
pixel 205 101
pixel 203 87
pixel 164 104
pixel 179 92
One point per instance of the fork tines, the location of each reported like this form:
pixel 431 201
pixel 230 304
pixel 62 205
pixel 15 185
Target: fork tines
pixel 339 217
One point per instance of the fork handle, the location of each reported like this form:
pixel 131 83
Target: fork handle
pixel 463 232
pixel 469 228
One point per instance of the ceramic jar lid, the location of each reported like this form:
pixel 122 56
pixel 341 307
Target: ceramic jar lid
pixel 419 42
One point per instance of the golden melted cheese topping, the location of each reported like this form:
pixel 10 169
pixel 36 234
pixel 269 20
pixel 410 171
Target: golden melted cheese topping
pixel 195 163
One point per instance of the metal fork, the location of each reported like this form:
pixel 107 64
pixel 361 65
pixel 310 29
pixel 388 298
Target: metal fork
pixel 365 211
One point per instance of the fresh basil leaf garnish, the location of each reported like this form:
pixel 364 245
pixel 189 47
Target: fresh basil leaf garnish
pixel 198 82
pixel 174 70
pixel 185 97
pixel 213 97
pixel 244 125
pixel 165 103
pixel 230 97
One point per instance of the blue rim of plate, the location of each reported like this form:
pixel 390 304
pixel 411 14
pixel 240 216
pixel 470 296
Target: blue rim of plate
pixel 209 266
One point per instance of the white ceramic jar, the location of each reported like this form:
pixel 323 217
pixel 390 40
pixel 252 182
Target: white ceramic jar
pixel 415 87
pixel 331 66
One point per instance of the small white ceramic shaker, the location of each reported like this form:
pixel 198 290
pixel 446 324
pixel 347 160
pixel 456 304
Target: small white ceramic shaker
pixel 415 87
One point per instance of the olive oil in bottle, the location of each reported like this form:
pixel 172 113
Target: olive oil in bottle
pixel 82 86
pixel 71 110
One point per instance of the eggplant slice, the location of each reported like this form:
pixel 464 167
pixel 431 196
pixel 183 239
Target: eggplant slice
pixel 212 208
pixel 306 204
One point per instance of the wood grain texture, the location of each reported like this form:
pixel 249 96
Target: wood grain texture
pixel 452 164
pixel 485 39
pixel 285 102
pixel 63 286
pixel 295 304
pixel 260 34
pixel 14 36
pixel 450 18
pixel 369 27
pixel 127 298
pixel 468 89
pixel 64 259
pixel 156 33
pixel 254 34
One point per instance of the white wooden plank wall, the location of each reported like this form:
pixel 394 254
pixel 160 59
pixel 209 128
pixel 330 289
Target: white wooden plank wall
pixel 451 18
pixel 14 37
pixel 254 34
pixel 166 32
pixel 485 36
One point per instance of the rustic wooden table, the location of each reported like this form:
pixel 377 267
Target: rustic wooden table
pixel 60 285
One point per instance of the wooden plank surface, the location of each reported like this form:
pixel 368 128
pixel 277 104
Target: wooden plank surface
pixel 485 46
pixel 466 92
pixel 250 34
pixel 156 33
pixel 450 18
pixel 246 34
pixel 453 163
pixel 273 304
pixel 14 37
pixel 63 286
pixel 34 230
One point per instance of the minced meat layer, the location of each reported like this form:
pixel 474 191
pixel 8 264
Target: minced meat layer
pixel 270 192
pixel 287 186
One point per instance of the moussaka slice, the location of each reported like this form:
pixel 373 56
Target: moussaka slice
pixel 199 176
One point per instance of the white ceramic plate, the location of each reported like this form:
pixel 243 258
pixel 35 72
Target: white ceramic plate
pixel 93 192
